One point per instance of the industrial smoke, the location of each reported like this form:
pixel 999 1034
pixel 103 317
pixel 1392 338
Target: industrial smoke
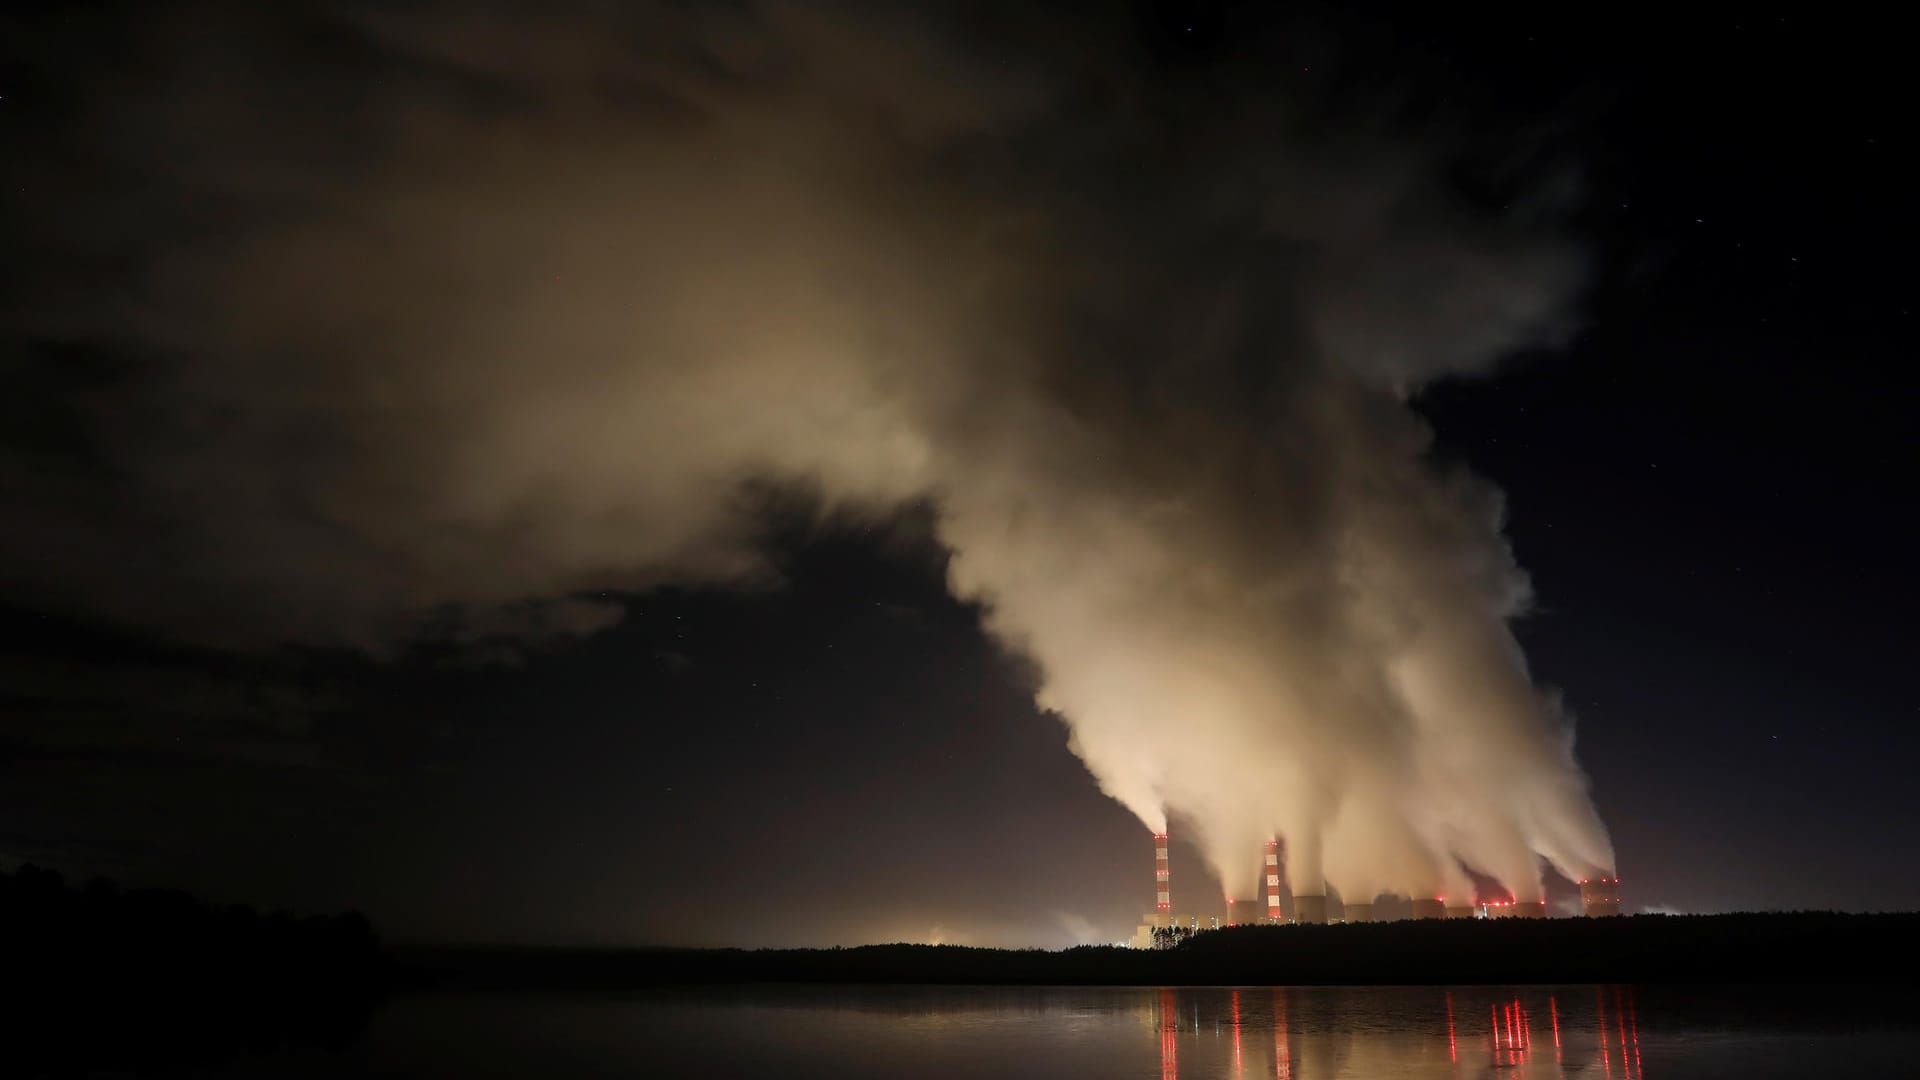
pixel 522 308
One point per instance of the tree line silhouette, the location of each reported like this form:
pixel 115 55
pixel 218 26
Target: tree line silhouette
pixel 110 978
pixel 1770 948
pixel 158 981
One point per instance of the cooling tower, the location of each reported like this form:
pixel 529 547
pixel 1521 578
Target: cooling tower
pixel 1359 913
pixel 1245 913
pixel 1600 896
pixel 1430 908
pixel 1272 871
pixel 1310 910
pixel 1162 893
pixel 1462 911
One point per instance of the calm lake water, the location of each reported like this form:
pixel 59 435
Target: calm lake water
pixel 1314 1033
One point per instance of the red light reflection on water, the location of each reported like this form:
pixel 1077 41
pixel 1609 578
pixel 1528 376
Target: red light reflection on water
pixel 1606 1062
pixel 1282 1057
pixel 1169 1045
pixel 1624 1026
pixel 1512 1032
pixel 1237 1068
pixel 1633 1019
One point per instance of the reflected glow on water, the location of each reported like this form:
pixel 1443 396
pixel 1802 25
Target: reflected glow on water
pixel 1194 1033
pixel 1337 1033
pixel 1282 1059
pixel 1169 1036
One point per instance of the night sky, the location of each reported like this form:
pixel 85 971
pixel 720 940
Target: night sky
pixel 207 681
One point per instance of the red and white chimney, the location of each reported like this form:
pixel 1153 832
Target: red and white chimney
pixel 1162 897
pixel 1273 881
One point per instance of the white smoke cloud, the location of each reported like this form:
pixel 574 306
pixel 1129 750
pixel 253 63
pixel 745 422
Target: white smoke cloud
pixel 524 306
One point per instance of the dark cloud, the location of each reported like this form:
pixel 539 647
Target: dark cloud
pixel 357 326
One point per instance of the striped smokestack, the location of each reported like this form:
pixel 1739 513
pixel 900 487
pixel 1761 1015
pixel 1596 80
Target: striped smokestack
pixel 1162 896
pixel 1273 881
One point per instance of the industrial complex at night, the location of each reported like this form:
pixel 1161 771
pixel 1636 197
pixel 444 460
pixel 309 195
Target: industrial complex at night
pixel 1599 896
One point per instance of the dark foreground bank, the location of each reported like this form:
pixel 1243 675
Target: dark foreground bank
pixel 103 979
pixel 1752 948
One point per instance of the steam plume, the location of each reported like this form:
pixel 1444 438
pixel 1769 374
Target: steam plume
pixel 445 312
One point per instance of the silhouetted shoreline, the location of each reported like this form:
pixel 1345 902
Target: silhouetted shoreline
pixel 156 981
pixel 1740 948
pixel 152 980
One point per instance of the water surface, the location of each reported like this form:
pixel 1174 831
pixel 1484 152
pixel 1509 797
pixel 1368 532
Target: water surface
pixel 1313 1033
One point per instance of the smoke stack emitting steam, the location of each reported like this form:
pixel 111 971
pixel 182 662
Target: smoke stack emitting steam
pixel 1155 381
pixel 1162 879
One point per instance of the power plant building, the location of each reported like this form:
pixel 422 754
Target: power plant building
pixel 1600 896
pixel 1514 909
pixel 1245 913
pixel 1143 934
pixel 1310 910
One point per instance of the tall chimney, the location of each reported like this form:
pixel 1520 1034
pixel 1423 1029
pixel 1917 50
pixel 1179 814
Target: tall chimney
pixel 1162 897
pixel 1273 881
